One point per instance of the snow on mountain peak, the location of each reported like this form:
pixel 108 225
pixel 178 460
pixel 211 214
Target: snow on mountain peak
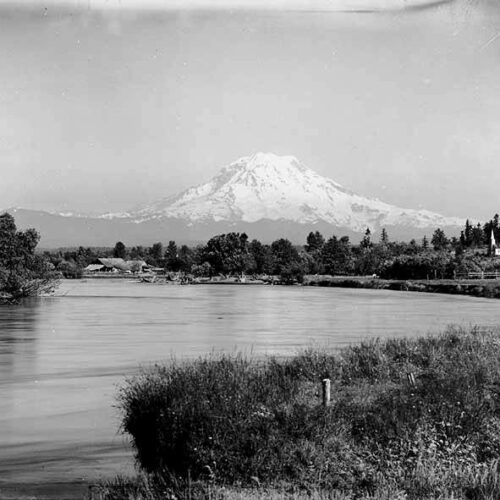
pixel 272 187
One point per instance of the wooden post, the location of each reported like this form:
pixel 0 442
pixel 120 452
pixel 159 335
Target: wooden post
pixel 411 379
pixel 325 383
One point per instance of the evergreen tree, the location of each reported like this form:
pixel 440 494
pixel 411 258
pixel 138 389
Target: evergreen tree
pixel 172 260
pixel 462 239
pixel 384 238
pixel 468 234
pixel 439 240
pixel 477 236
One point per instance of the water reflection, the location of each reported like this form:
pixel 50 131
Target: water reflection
pixel 18 339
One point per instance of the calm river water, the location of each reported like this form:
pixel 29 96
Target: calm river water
pixel 63 357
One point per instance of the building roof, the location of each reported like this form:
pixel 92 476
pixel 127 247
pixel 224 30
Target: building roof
pixel 114 263
pixel 120 264
pixel 94 267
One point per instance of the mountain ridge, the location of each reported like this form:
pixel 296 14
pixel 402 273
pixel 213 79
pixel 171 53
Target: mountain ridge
pixel 267 186
pixel 265 195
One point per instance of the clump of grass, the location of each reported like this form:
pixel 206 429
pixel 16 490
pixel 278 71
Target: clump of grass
pixel 227 421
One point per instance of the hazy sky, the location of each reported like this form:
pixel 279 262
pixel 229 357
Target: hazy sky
pixel 104 106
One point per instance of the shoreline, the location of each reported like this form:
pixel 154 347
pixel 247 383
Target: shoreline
pixel 489 289
pixel 482 288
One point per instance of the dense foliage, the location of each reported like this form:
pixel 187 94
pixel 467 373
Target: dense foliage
pixel 227 420
pixel 235 254
pixel 23 273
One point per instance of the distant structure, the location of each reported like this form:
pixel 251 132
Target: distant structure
pixel 117 266
pixel 494 249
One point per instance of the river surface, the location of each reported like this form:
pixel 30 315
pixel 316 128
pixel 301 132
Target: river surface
pixel 62 358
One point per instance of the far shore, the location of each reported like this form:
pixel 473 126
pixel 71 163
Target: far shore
pixel 486 288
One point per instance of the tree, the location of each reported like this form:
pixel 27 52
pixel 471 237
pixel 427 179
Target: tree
pixel 491 226
pixel 70 270
pixel 412 247
pixel 439 240
pixel 22 272
pixel 315 242
pixel 284 254
pixel 202 270
pixel 262 260
pixel 287 261
pixel 477 236
pixel 366 241
pixel 425 243
pixel 187 258
pixel 120 252
pixel 422 266
pixel 137 253
pixel 172 260
pixel 156 254
pixel 227 253
pixel 467 234
pixel 337 256
pixel 384 238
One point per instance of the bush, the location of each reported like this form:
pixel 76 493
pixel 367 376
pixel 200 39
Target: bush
pixel 232 421
pixel 70 270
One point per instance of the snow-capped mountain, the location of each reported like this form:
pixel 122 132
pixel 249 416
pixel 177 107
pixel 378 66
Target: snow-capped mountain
pixel 270 187
pixel 265 195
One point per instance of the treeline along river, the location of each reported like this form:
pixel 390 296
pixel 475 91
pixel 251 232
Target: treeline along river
pixel 63 357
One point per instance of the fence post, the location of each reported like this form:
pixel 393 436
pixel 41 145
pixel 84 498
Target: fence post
pixel 325 383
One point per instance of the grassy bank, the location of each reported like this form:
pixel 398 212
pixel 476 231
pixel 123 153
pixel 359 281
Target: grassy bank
pixel 476 288
pixel 230 427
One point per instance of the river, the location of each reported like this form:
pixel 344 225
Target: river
pixel 63 357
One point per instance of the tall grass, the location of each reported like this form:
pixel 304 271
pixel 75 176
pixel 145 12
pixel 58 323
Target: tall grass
pixel 226 421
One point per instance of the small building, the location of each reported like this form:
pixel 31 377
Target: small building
pixel 116 265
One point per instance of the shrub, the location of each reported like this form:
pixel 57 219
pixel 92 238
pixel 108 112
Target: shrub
pixel 230 420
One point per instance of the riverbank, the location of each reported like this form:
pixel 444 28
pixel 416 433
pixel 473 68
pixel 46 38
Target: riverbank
pixel 486 288
pixel 475 288
pixel 407 418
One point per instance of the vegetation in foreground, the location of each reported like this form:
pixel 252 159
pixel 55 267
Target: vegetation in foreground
pixel 229 427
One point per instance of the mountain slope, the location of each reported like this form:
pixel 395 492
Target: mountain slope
pixel 271 187
pixel 264 195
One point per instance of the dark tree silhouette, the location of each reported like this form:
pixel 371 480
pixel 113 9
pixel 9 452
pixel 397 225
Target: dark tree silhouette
pixel 120 252
pixel 22 272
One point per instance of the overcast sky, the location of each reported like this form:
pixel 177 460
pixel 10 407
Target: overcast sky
pixel 105 106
